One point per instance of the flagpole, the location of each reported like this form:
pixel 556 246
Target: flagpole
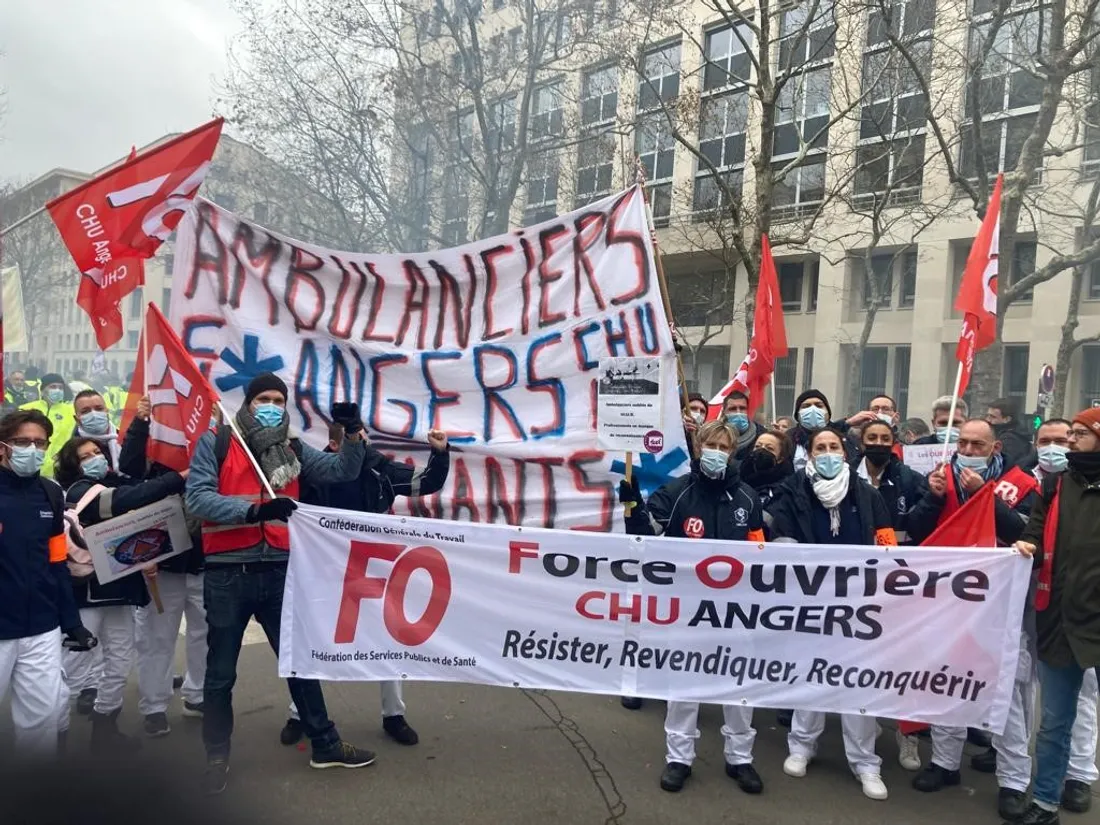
pixel 145 353
pixel 951 410
pixel 775 407
pixel 25 219
pixel 227 418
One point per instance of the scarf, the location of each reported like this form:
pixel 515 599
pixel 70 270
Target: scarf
pixel 271 446
pixel 830 492
pixel 108 443
pixel 1086 465
pixel 993 470
pixel 746 438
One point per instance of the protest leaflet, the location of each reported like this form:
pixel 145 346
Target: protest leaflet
pixel 129 543
pixel 630 404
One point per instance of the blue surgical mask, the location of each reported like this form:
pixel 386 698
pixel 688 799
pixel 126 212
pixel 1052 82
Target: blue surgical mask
pixel 740 421
pixel 829 465
pixel 977 463
pixel 713 462
pixel 1053 458
pixel 55 396
pixel 812 418
pixel 26 461
pixel 95 467
pixel 947 435
pixel 269 415
pixel 95 422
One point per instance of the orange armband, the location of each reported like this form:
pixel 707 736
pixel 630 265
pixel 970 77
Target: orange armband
pixel 886 537
pixel 59 548
pixel 755 535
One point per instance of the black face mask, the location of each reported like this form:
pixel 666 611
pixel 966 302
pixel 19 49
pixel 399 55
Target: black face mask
pixel 760 461
pixel 878 454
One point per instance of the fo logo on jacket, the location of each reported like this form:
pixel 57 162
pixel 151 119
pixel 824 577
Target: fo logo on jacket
pixel 1007 492
pixel 693 527
pixel 391 589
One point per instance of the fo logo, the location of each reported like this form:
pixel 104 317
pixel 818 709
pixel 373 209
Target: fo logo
pixel 391 589
pixel 693 527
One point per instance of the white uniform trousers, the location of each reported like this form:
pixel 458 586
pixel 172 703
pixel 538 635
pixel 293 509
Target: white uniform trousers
pixel 393 702
pixel 1082 751
pixel 155 636
pixel 83 673
pixel 860 733
pixel 681 731
pixel 31 669
pixel 1014 745
pixel 114 628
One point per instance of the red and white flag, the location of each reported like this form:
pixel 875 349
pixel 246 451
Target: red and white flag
pixel 977 299
pixel 113 222
pixel 769 338
pixel 181 398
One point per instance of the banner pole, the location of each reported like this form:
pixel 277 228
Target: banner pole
pixel 228 419
pixel 628 506
pixel 951 411
pixel 145 353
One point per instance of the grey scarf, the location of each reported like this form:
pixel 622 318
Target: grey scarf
pixel 271 446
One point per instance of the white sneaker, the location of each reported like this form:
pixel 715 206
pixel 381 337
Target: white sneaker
pixel 873 786
pixel 908 751
pixel 795 765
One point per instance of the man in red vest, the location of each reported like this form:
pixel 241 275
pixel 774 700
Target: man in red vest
pixel 979 462
pixel 245 542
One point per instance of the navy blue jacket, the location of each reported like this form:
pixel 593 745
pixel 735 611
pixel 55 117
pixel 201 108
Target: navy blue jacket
pixel 902 489
pixel 380 481
pixel 698 507
pixel 36 595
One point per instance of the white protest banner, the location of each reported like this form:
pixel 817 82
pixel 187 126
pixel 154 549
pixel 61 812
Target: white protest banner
pixel 629 405
pixel 15 322
pixel 129 543
pixel 924 458
pixel 497 342
pixel 908 633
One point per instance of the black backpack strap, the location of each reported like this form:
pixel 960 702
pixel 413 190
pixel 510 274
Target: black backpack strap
pixel 221 444
pixel 57 500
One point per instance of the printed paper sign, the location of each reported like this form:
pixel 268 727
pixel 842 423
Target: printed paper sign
pixel 131 542
pixel 630 404
pixel 905 633
pixel 924 458
pixel 498 343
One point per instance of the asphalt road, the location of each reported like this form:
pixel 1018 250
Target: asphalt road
pixel 494 755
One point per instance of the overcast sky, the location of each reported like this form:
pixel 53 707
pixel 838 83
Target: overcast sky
pixel 85 79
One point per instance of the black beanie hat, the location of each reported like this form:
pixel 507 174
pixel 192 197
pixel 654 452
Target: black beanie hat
pixel 52 378
pixel 813 394
pixel 263 383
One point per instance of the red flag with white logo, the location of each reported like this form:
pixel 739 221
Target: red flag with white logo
pixel 112 222
pixel 769 338
pixel 181 399
pixel 977 299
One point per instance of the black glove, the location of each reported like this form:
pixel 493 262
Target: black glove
pixel 347 416
pixel 79 639
pixel 278 509
pixel 629 492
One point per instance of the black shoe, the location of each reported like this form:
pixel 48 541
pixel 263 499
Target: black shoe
pixel 292 732
pixel 177 682
pixel 156 724
pixel 1011 804
pixel 746 777
pixel 935 778
pixel 216 777
pixel 85 702
pixel 398 730
pixel 979 738
pixel 341 755
pixel 632 702
pixel 674 776
pixel 106 737
pixel 784 717
pixel 985 762
pixel 193 710
pixel 1035 815
pixel 1076 796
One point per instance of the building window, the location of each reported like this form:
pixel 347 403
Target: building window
pixel 701 299
pixel 660 81
pixel 542 189
pixel 1016 357
pixel 656 150
pixel 135 303
pixel 599 96
pixel 902 356
pixel 595 156
pixel 1023 264
pixel 420 171
pixel 1092 122
pixel 815 272
pixel 165 299
pixel 727 57
pixel 872 374
pixel 802 117
pixel 515 43
pixel 596 151
pixel 546 111
pixel 895 167
pixel 132 339
pixel 1092 282
pixel 1090 376
pixel 790 285
pixel 907 296
pixel 456 206
pixel 808 367
pixel 723 122
pixel 804 184
pixel 502 124
pixel 786 380
pixel 1011 88
pixel 712 371
pixel 882 273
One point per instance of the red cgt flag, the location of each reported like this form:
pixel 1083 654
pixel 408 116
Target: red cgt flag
pixel 112 222
pixel 769 338
pixel 977 299
pixel 972 525
pixel 182 400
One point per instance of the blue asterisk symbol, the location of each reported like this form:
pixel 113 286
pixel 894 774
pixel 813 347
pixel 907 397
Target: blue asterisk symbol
pixel 247 368
pixel 654 472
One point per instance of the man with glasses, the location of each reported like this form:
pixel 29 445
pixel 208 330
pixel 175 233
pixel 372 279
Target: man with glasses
pixel 1063 538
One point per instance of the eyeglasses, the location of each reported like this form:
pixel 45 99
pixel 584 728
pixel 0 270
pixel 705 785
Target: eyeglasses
pixel 40 443
pixel 1075 433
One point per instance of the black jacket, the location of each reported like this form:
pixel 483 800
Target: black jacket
pixel 1015 445
pixel 790 515
pixel 133 463
pixel 901 489
pixel 381 480
pixel 743 451
pixel 767 485
pixel 36 594
pixel 801 438
pixel 122 496
pixel 698 507
pixel 924 518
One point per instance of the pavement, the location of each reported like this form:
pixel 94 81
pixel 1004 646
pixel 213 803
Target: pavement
pixel 499 755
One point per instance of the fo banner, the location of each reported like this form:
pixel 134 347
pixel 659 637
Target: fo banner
pixel 913 633
pixel 498 343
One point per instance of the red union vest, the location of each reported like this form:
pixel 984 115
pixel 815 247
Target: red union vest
pixel 1011 488
pixel 237 479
